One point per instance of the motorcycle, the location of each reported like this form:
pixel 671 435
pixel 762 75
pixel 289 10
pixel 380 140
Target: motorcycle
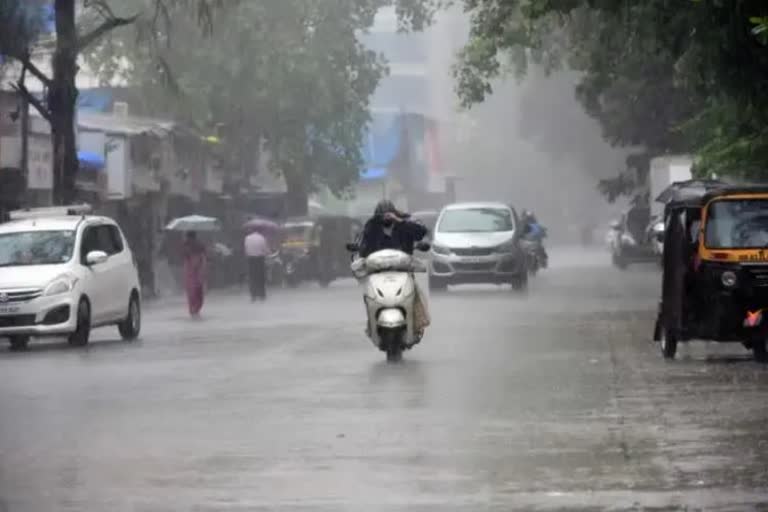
pixel 533 244
pixel 390 292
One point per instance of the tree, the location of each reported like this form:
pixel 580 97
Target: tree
pixel 290 73
pixel 666 76
pixel 74 35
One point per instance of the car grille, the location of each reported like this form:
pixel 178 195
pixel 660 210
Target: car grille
pixel 17 320
pixel 474 267
pixel 8 296
pixel 473 251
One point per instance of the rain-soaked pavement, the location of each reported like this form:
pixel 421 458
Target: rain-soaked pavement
pixel 553 401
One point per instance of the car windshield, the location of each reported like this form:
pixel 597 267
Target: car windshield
pixel 737 224
pixel 36 248
pixel 476 220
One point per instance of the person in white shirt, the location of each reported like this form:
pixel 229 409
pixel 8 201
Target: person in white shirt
pixel 256 252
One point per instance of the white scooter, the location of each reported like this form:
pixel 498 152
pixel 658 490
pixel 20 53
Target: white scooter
pixel 390 290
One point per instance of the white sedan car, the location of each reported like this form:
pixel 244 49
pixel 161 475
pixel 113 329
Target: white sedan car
pixel 62 275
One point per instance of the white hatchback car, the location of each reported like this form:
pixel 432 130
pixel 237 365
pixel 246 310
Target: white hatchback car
pixel 63 273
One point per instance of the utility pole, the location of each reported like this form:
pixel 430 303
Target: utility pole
pixel 24 163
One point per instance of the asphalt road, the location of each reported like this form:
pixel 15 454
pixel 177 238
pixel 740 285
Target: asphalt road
pixel 549 402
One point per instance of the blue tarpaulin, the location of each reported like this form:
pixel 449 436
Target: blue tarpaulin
pixel 90 160
pixel 382 144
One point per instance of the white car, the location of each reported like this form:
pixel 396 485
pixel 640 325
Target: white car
pixel 62 273
pixel 477 243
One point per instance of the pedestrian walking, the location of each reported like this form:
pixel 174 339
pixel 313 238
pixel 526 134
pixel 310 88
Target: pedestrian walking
pixel 256 252
pixel 195 270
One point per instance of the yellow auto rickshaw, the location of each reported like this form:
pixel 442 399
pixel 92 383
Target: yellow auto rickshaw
pixel 715 266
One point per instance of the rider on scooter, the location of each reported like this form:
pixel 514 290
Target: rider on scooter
pixel 535 232
pixel 390 228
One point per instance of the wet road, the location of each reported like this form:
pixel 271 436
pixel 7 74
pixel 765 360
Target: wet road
pixel 554 401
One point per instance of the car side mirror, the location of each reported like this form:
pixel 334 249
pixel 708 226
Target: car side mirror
pixel 96 258
pixel 353 247
pixel 423 246
pixel 615 225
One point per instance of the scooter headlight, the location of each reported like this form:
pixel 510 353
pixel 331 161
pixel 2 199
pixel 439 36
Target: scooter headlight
pixel 729 279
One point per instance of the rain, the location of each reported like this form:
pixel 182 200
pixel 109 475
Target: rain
pixel 383 255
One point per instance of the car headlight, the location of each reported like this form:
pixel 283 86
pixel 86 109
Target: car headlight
pixel 506 247
pixel 728 278
pixel 60 285
pixel 439 249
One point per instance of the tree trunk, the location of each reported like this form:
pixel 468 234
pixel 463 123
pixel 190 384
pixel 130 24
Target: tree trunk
pixel 62 98
pixel 297 198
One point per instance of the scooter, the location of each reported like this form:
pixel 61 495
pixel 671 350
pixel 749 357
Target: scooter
pixel 390 292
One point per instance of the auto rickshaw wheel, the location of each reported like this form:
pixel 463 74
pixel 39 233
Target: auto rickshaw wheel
pixel 759 351
pixel 667 342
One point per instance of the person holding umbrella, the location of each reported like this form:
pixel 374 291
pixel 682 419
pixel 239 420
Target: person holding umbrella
pixel 256 252
pixel 195 271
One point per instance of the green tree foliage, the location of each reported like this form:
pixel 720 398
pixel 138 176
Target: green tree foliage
pixel 76 32
pixel 665 76
pixel 290 72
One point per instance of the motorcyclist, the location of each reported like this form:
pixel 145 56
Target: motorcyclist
pixel 389 228
pixel 535 232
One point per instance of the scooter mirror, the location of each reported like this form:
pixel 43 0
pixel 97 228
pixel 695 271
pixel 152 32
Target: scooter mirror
pixel 423 246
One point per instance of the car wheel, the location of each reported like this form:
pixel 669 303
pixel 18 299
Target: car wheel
pixel 131 326
pixel 82 333
pixel 668 343
pixel 19 343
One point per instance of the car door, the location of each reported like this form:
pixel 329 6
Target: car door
pixel 116 296
pixel 95 281
pixel 123 271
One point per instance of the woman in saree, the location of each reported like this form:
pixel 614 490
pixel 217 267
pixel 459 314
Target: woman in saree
pixel 195 271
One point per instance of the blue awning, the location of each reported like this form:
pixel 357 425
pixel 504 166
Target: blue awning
pixel 381 145
pixel 91 161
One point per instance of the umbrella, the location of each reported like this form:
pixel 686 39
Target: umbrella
pixel 681 190
pixel 261 225
pixel 194 223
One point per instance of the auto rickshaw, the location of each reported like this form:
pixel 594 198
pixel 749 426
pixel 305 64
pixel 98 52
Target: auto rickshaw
pixel 715 268
pixel 332 259
pixel 313 249
pixel 297 250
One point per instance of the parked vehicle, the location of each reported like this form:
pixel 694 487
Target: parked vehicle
pixel 390 291
pixel 296 250
pixel 655 235
pixel 630 243
pixel 715 272
pixel 663 172
pixel 478 243
pixel 313 249
pixel 64 272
